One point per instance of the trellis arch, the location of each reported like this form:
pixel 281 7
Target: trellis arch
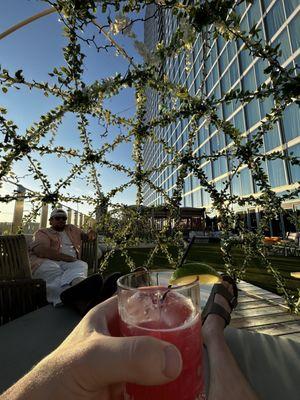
pixel 210 19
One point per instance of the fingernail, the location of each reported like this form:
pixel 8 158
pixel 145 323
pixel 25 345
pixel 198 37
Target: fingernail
pixel 173 362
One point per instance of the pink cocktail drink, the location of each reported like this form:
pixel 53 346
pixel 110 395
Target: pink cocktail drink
pixel 169 316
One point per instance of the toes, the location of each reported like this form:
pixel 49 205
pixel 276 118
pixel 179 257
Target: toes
pixel 228 286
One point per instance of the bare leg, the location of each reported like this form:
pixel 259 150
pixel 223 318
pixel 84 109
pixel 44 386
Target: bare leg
pixel 226 379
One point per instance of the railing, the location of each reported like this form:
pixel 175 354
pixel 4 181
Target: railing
pixel 13 214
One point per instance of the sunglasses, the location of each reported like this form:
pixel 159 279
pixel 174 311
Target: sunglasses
pixel 60 218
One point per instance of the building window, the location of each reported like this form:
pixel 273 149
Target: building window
pixel 217 92
pixel 240 9
pixel 276 172
pixel 203 134
pixel 231 49
pixel 285 47
pixel 195 181
pixel 227 109
pixel 232 163
pixel 214 144
pixel 245 177
pixel 274 19
pixel 236 185
pixel 197 201
pixel 272 138
pixel 248 82
pixel 225 83
pixel 205 197
pixel 260 66
pixel 294 28
pixel 197 58
pixel 290 6
pixel 254 13
pixel 197 82
pixel 239 121
pixel 187 184
pixel 188 201
pixel 245 59
pixel 295 169
pixel 221 43
pixel 234 73
pixel 219 108
pixel 207 170
pixel 221 185
pixel 257 187
pixel 207 148
pixel 227 137
pixel 220 166
pixel 209 83
pixel 215 74
pixel 212 128
pixel 213 53
pixel 266 105
pixel 223 60
pixel 291 122
pixel 252 113
pixel 266 3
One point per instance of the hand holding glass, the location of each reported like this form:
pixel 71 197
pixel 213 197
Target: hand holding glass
pixel 147 306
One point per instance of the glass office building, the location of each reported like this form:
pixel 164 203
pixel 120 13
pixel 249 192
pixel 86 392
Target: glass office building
pixel 228 66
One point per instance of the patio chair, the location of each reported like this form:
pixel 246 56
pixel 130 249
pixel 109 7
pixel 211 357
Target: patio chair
pixel 293 237
pixel 19 292
pixel 91 254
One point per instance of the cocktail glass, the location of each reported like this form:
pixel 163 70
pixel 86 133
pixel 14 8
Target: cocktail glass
pixel 148 306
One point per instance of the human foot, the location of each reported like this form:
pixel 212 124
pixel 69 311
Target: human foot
pixel 216 314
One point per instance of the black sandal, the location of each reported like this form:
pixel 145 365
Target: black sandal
pixel 215 308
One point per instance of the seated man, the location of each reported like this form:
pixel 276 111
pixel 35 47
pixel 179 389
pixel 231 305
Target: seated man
pixel 55 256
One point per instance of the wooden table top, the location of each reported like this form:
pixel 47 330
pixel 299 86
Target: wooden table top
pixel 261 311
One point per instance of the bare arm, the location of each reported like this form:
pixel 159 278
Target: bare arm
pixel 52 254
pixel 91 364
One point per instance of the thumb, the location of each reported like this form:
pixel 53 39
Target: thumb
pixel 142 360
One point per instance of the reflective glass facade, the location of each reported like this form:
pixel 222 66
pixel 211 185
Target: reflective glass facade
pixel 229 66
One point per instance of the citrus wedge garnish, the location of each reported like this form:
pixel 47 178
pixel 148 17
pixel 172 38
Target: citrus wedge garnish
pixel 189 272
pixel 295 275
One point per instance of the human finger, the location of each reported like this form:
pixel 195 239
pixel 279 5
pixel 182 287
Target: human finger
pixel 104 318
pixel 142 360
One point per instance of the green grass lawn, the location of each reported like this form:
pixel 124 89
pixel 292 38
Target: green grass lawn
pixel 255 273
pixel 210 253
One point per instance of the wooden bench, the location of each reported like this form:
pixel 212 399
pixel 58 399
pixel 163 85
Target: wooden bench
pixel 19 292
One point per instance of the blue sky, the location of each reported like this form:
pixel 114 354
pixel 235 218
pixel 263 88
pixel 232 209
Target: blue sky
pixel 37 49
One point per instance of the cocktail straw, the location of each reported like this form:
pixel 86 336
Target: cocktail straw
pixel 186 252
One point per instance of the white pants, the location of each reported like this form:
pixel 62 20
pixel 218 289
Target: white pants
pixel 59 275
